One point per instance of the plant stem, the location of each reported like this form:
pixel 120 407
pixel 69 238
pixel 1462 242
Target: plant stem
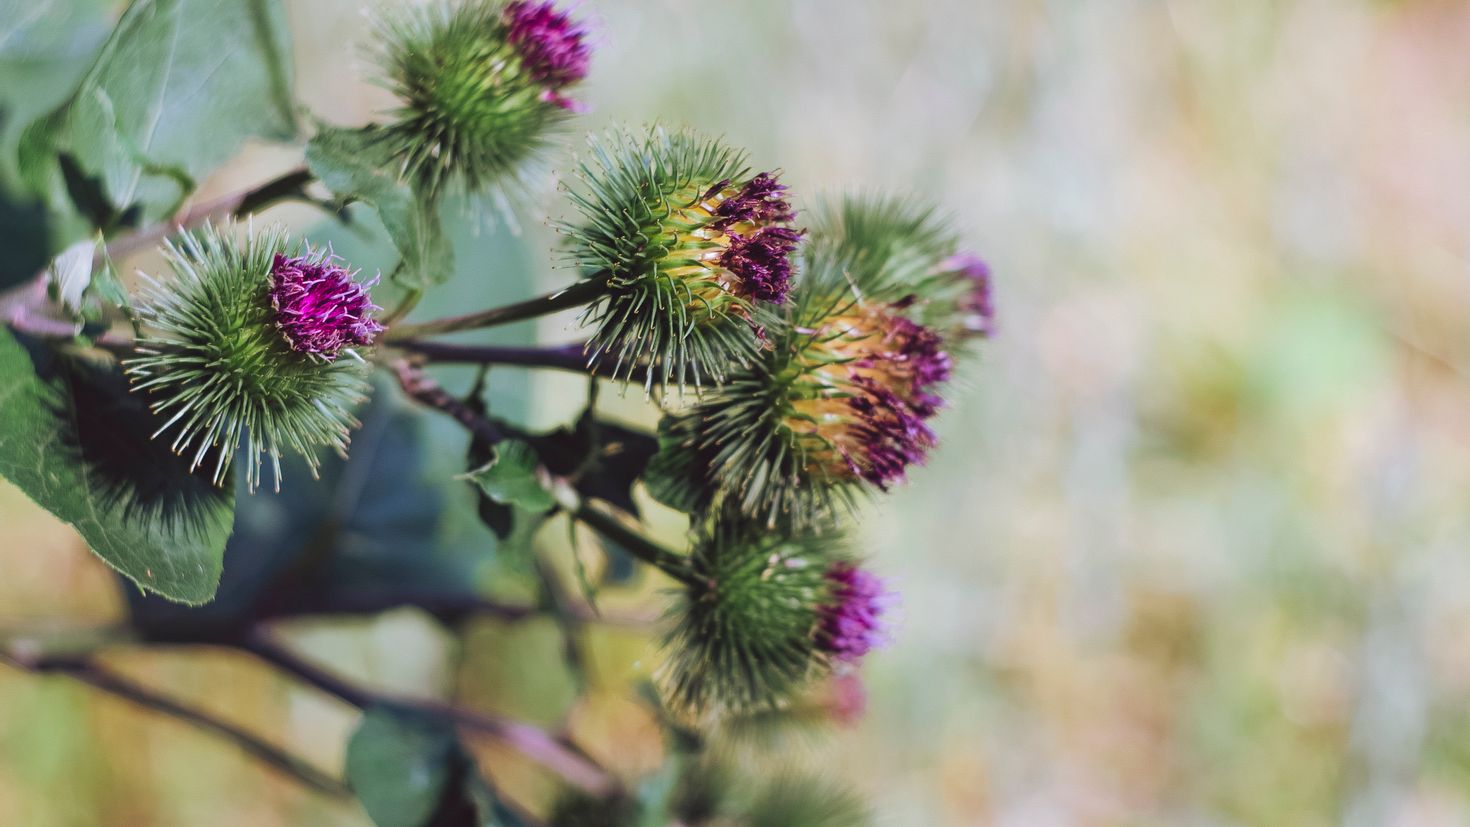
pixel 670 563
pixel 426 391
pixel 242 202
pixel 406 306
pixel 87 671
pixel 569 357
pixel 576 295
pixel 530 741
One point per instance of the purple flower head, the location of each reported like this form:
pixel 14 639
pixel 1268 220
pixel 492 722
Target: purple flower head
pixel 976 306
pixel 889 434
pixel 920 350
pixel 319 308
pixel 552 47
pixel 851 624
pixel 761 201
pixel 762 262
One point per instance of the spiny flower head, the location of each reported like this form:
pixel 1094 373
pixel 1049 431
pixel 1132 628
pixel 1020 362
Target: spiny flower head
pixel 692 246
pixel 319 308
pixel 747 628
pixel 840 401
pixel 241 345
pixel 482 85
pixel 900 247
pixel 852 621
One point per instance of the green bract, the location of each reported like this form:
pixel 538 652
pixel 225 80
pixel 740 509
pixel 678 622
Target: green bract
pixel 743 638
pixel 693 248
pixel 218 370
pixel 475 109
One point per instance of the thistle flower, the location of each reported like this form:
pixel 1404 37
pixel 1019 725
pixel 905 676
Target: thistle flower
pixel 319 308
pixel 840 402
pixel 243 343
pixel 746 631
pixel 482 85
pixel 852 621
pixel 691 246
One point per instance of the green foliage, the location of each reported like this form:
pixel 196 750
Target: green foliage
pixel 643 232
pixel 511 478
pixel 213 362
pixel 409 770
pixel 471 115
pixel 77 443
pixel 357 165
pixel 386 528
pixel 174 91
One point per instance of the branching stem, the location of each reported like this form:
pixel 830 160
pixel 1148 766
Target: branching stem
pixel 530 741
pixel 578 294
pixel 88 671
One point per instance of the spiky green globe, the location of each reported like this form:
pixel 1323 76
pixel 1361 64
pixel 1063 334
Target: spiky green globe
pixel 744 638
pixel 694 249
pixel 481 85
pixel 227 365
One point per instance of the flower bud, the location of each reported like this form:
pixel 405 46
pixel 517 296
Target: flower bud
pixel 243 342
pixel 482 85
pixel 691 245
pixel 746 635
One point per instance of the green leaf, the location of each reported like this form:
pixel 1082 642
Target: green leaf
pixel 409 770
pixel 355 166
pixel 174 91
pixel 400 764
pixel 380 530
pixel 75 441
pixel 512 477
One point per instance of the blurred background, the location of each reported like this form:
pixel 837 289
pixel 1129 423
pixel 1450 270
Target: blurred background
pixel 1194 548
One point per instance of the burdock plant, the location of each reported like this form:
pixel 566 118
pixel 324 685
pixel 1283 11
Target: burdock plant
pixel 482 85
pixel 839 403
pixel 692 247
pixel 761 616
pixel 818 343
pixel 252 344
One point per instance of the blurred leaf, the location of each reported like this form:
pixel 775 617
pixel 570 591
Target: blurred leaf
pixel 355 166
pixel 672 476
pixel 75 440
pixel 70 274
pixel 373 533
pixel 175 90
pixel 511 478
pixel 409 770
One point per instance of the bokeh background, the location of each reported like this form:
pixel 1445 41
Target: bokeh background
pixel 1194 550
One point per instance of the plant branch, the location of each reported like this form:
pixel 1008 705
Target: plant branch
pixel 530 741
pixel 88 671
pixel 578 294
pixel 421 388
pixel 242 202
pixel 635 543
pixel 569 357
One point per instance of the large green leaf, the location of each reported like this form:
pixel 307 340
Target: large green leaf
pixel 174 91
pixel 409 770
pixel 376 531
pixel 352 163
pixel 75 441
